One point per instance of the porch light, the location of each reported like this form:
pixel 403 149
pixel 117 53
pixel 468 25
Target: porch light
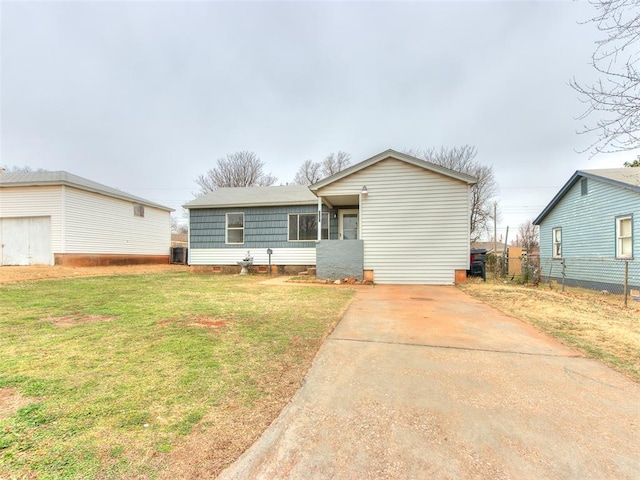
pixel 364 192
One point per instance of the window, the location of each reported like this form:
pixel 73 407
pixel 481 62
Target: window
pixel 235 227
pixel 557 242
pixel 304 227
pixel 584 187
pixel 624 237
pixel 138 210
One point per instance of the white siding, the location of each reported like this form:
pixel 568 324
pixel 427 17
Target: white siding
pixel 231 256
pixel 97 224
pixel 44 201
pixel 414 223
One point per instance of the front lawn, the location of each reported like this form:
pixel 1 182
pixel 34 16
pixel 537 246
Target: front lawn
pixel 137 376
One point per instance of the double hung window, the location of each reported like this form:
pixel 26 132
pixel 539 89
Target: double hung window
pixel 557 242
pixel 303 227
pixel 235 228
pixel 624 237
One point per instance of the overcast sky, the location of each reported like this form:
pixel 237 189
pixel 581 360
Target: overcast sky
pixel 145 95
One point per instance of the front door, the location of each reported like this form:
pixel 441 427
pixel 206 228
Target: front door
pixel 348 225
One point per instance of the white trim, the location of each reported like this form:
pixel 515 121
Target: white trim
pixel 319 226
pixel 341 214
pixel 620 238
pixel 231 256
pixel 403 157
pixel 226 228
pixel 555 242
pixel 319 219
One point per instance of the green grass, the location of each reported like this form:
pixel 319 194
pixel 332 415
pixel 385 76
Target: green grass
pixel 105 397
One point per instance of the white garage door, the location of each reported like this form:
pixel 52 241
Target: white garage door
pixel 25 241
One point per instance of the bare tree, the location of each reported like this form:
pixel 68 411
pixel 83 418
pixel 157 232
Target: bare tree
pixel 311 172
pixel 335 162
pixel 615 97
pixel 15 169
pixel 176 226
pixel 528 236
pixel 239 169
pixel 308 173
pixel 462 159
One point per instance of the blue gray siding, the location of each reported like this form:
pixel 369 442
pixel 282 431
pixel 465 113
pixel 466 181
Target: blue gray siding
pixel 588 225
pixel 264 227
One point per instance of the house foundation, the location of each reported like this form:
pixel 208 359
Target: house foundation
pixel 103 260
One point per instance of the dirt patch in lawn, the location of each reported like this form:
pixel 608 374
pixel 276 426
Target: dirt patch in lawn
pixel 10 274
pixel 68 321
pixel 11 401
pixel 207 321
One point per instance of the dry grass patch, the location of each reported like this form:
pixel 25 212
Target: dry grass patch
pixel 68 321
pixel 596 324
pixel 208 321
pixel 11 401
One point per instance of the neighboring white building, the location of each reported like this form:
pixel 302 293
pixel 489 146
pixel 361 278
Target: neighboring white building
pixel 49 218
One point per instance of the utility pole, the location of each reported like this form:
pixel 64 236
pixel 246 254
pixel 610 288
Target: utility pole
pixel 495 229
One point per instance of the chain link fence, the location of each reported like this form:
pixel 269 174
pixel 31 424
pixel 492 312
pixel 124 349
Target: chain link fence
pixel 609 276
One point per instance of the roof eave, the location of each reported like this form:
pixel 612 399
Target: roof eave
pixel 470 180
pixel 67 183
pixel 571 183
pixel 251 204
pixel 558 196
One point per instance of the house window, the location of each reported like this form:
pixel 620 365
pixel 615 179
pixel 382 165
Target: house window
pixel 584 187
pixel 138 210
pixel 235 228
pixel 304 227
pixel 557 242
pixel 624 237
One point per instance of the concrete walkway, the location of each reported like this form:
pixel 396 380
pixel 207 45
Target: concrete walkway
pixel 428 383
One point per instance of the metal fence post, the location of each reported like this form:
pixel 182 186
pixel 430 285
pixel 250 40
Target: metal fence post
pixel 626 281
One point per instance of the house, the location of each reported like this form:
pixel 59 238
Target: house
pixel 589 229
pixel 49 218
pixel 391 218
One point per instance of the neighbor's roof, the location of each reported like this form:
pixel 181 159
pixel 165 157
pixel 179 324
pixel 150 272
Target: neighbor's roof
pixel 30 179
pixel 403 157
pixel 255 197
pixel 626 177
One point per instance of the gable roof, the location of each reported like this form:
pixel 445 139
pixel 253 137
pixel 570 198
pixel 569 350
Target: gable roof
pixel 30 179
pixel 255 197
pixel 403 157
pixel 628 178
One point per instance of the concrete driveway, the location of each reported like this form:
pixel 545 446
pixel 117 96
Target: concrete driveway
pixel 428 383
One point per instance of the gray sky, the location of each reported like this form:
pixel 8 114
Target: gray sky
pixel 144 96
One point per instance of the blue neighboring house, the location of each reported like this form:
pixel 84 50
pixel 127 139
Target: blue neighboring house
pixel 593 225
pixel 391 218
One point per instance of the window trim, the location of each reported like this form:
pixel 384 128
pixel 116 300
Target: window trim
pixel 324 215
pixel 138 210
pixel 227 228
pixel 618 238
pixel 554 243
